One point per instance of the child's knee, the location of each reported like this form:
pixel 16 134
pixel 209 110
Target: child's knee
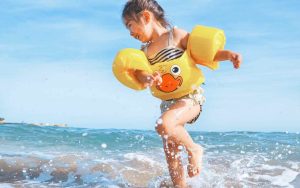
pixel 164 126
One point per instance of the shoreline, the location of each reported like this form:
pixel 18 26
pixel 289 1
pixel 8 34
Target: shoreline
pixel 38 124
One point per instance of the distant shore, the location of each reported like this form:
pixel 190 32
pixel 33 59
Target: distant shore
pixel 39 124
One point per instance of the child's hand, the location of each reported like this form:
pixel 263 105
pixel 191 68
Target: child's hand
pixel 148 79
pixel 154 78
pixel 236 59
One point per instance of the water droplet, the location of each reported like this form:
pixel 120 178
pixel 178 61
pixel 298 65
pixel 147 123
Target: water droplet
pixel 159 121
pixel 180 147
pixel 84 134
pixel 104 145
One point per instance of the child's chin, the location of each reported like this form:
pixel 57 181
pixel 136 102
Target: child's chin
pixel 144 41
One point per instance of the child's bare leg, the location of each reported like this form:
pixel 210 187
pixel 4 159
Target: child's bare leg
pixel 174 163
pixel 172 124
pixel 195 160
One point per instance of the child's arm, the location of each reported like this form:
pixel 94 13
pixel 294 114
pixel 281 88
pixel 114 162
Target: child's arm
pixel 222 55
pixel 235 58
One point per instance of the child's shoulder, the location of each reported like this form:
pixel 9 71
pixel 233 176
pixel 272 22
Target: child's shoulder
pixel 181 36
pixel 179 31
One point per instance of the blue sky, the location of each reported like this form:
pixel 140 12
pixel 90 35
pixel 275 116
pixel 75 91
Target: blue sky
pixel 56 57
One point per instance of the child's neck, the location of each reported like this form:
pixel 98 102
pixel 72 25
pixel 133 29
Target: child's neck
pixel 158 30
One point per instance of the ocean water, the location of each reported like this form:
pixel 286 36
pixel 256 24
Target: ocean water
pixel 32 156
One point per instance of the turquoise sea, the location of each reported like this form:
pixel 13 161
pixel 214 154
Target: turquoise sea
pixel 33 156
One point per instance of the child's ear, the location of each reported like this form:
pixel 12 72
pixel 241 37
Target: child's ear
pixel 147 16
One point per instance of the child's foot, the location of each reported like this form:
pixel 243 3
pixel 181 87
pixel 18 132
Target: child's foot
pixel 195 160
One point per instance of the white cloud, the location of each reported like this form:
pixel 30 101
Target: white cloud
pixel 61 39
pixel 27 5
pixel 82 31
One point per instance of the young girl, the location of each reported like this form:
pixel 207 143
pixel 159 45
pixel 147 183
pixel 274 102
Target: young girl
pixel 146 22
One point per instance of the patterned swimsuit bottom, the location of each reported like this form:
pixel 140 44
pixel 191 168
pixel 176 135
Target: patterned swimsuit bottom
pixel 196 97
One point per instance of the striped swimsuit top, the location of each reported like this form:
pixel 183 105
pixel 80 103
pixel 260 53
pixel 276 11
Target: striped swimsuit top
pixel 167 54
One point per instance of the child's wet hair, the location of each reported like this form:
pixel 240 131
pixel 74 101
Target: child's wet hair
pixel 133 7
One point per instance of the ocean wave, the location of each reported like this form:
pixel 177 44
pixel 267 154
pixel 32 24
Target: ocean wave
pixel 70 157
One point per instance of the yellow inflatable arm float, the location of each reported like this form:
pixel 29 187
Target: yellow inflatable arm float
pixel 126 62
pixel 203 44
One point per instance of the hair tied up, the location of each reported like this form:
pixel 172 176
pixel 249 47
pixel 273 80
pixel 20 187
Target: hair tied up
pixel 133 7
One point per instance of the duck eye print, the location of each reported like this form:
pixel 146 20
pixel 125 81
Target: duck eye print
pixel 175 70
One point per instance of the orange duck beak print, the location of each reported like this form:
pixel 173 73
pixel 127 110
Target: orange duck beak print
pixel 169 83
